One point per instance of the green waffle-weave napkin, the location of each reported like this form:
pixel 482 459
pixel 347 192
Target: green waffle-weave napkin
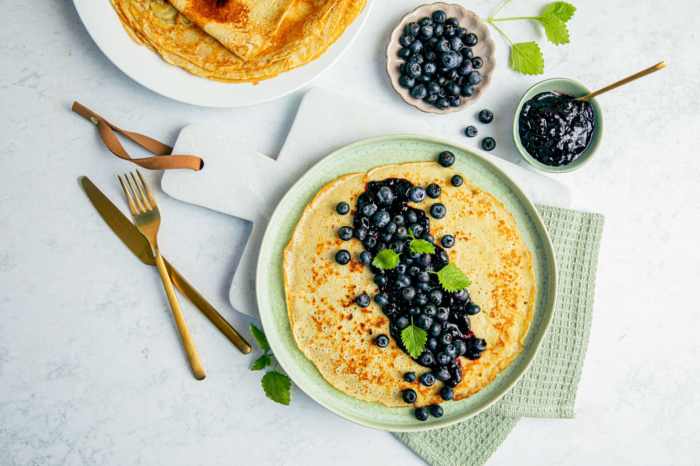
pixel 548 389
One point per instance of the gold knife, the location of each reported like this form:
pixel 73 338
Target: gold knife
pixel 132 238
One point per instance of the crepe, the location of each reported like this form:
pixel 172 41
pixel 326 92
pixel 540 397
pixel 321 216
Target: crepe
pixel 337 335
pixel 307 29
pixel 242 26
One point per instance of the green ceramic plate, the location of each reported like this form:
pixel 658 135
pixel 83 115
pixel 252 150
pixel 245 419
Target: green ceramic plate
pixel 359 157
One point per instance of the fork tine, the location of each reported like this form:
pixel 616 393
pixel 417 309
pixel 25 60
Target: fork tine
pixel 137 197
pixel 141 193
pixel 151 199
pixel 129 198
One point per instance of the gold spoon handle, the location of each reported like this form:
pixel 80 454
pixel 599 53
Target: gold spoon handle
pixel 623 81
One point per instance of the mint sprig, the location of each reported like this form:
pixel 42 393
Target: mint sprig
pixel 452 279
pixel 276 385
pixel 386 259
pixel 414 339
pixel 526 57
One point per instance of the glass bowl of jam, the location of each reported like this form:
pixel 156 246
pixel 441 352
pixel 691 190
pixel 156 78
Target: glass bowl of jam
pixel 553 131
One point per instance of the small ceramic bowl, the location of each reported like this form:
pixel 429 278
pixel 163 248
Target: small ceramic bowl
pixel 563 86
pixel 467 19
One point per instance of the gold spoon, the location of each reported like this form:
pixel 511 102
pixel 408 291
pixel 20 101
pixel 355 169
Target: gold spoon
pixel 623 81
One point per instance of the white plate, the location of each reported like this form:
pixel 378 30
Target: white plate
pixel 147 68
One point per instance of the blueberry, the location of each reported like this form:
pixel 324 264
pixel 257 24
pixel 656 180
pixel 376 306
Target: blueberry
pixel 411 216
pixel 424 321
pixel 429 55
pixel 430 310
pixel 427 379
pixel 473 309
pixel 467 90
pixel 465 68
pixel 471 131
pixel 438 210
pixel 400 269
pixel 409 395
pixel 402 322
pixel 425 21
pixel 419 91
pixel 421 413
pixel 438 30
pixel 342 257
pixel 479 344
pixel 456 44
pixel 426 32
pixel 439 16
pixel 409 377
pixel 461 295
pixel 470 40
pixel 442 103
pixel 420 299
pixel 454 22
pixel 485 116
pixel 442 46
pixel 362 300
pixel 436 329
pixel 477 62
pixel 408 293
pixel 457 180
pixel 436 296
pixel 461 347
pixel 452 88
pixel 429 69
pixel 467 52
pixel 488 143
pixel 445 339
pixel 454 100
pixel 382 341
pixel 413 69
pixel 381 218
pixel 401 233
pixel 398 219
pixel 460 32
pixel 449 31
pixel 423 277
pixel 433 190
pixel 436 410
pixel 342 208
pixel 426 359
pixel 442 314
pixel 443 359
pixel 404 52
pixel 406 40
pixel 380 280
pixel 416 47
pixel 416 194
pixel 345 233
pixel 382 299
pixel 447 241
pixel 406 81
pixel 370 242
pixel 451 350
pixel 411 29
pixel 432 344
pixel 368 209
pixel 472 355
pixel 450 60
pixel 447 393
pixel 414 311
pixel 446 158
pixel 474 78
pixel 443 374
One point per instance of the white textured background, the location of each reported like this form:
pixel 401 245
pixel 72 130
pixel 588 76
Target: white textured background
pixel 91 371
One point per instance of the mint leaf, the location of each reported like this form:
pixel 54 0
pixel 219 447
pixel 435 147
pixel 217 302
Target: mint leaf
pixel 452 279
pixel 386 259
pixel 421 246
pixel 562 10
pixel 260 338
pixel 526 58
pixel 277 387
pixel 555 29
pixel 414 339
pixel 261 363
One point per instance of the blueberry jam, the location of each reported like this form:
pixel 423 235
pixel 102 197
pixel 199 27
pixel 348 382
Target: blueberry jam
pixel 410 292
pixel 555 128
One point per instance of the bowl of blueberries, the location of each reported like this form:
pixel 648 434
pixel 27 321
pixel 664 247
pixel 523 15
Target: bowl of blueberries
pixel 440 58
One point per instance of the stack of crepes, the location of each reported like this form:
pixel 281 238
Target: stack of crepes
pixel 237 40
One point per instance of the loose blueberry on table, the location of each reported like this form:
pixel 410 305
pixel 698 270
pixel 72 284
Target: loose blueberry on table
pixel 439 64
pixel 409 289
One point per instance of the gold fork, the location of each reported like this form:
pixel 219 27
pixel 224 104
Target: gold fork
pixel 147 219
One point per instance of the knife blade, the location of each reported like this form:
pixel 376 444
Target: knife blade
pixel 137 244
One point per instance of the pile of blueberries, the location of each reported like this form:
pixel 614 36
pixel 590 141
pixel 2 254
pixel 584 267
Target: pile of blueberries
pixel 410 292
pixel 439 64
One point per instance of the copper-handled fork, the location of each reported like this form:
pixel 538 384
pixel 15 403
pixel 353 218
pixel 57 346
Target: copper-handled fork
pixel 147 219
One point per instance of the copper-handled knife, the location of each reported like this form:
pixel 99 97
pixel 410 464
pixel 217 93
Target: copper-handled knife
pixel 132 238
